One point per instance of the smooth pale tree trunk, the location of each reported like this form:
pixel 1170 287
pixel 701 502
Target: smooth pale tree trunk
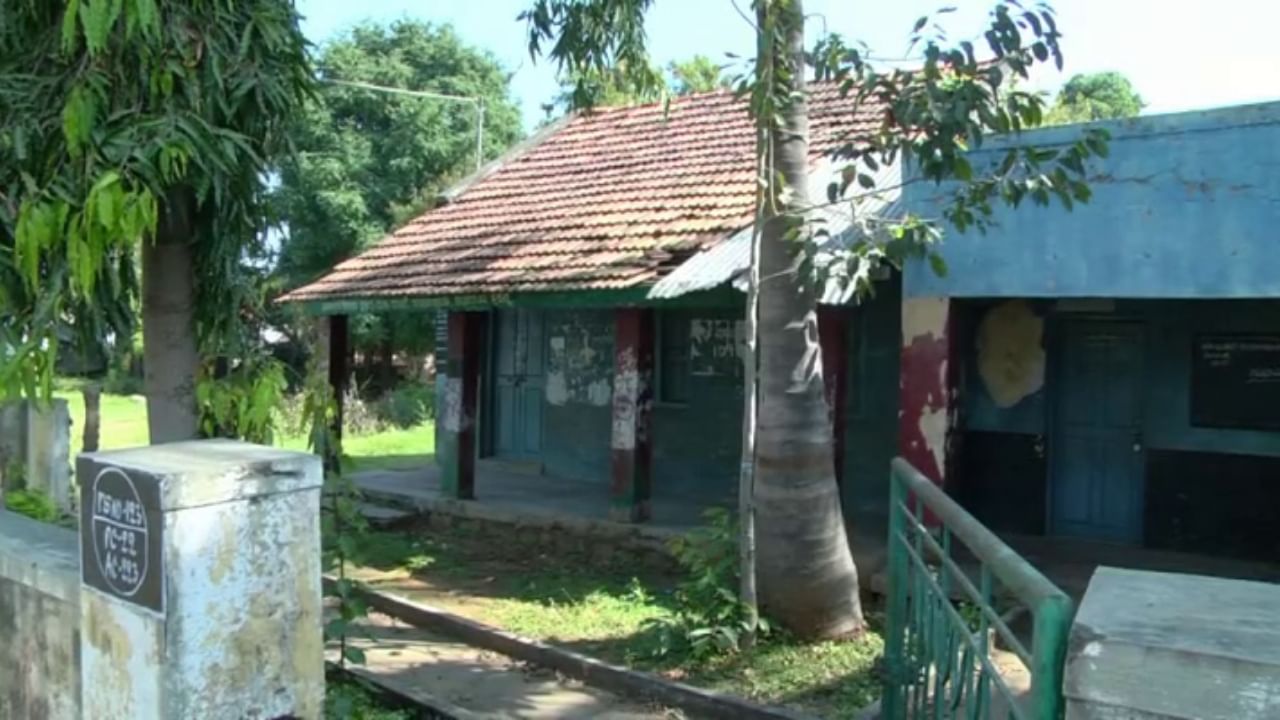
pixel 807 578
pixel 170 358
pixel 747 586
pixel 92 416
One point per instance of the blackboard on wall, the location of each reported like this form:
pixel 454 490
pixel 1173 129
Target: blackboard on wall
pixel 1235 381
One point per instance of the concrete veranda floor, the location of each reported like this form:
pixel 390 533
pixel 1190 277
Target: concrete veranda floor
pixel 519 492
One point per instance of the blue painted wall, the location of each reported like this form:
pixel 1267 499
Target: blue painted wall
pixel 1186 206
pixel 698 434
pixel 1170 327
pixel 578 407
pixel 697 437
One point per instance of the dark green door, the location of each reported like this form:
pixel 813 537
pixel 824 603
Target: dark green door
pixel 1096 446
pixel 520 361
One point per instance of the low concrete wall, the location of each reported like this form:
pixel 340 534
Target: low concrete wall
pixel 39 620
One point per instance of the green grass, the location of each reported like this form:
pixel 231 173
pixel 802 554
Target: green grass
pixel 124 425
pixel 124 421
pixel 606 609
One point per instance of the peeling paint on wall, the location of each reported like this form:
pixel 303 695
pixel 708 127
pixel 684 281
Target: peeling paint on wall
pixel 716 347
pixel 1011 358
pixel 557 389
pixel 933 429
pixel 625 398
pixel 451 408
pixel 926 400
pixel 599 393
pixel 923 317
pixel 580 363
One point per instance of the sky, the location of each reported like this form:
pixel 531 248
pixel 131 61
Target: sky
pixel 1221 53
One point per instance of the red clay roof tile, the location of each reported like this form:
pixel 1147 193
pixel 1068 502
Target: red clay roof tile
pixel 610 200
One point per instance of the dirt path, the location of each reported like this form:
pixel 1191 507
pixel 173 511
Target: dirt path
pixel 431 668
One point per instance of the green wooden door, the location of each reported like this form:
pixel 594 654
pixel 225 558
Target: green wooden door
pixel 1096 446
pixel 519 372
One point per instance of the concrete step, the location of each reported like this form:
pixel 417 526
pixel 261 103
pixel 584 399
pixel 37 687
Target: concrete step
pixel 381 515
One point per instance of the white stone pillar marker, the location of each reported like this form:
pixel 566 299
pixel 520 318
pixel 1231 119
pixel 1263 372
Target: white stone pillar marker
pixel 200 594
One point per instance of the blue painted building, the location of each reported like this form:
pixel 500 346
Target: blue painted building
pixel 1110 373
pixel 1113 373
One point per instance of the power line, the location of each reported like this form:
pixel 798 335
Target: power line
pixel 474 101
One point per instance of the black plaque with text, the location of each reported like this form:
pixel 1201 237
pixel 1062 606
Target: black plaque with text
pixel 1235 381
pixel 121 534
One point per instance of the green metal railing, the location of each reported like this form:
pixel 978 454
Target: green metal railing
pixel 939 661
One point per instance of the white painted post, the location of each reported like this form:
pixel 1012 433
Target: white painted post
pixel 49 452
pixel 200 594
pixel 35 450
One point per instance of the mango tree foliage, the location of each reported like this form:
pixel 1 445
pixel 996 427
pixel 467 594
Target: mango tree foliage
pixel 697 74
pixel 616 86
pixel 955 96
pixel 112 114
pixel 368 161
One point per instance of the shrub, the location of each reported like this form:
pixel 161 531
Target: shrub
pixel 32 503
pixel 710 617
pixel 359 416
pixel 122 382
pixel 243 402
pixel 408 406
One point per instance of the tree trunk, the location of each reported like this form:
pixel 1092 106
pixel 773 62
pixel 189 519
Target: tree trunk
pixel 170 358
pixel 807 577
pixel 92 416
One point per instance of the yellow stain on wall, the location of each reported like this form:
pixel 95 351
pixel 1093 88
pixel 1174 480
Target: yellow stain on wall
pixel 1011 357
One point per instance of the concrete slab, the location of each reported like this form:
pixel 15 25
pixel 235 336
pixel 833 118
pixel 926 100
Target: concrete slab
pixel 432 668
pixel 1162 645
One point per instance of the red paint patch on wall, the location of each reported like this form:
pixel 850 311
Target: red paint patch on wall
pixel 927 366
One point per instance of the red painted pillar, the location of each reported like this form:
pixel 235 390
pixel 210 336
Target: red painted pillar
pixel 833 324
pixel 632 437
pixel 927 404
pixel 339 380
pixel 460 404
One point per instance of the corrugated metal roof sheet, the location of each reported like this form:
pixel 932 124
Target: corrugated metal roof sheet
pixel 729 261
pixel 611 200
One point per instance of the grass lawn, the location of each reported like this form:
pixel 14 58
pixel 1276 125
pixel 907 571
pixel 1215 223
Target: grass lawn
pixel 606 610
pixel 124 425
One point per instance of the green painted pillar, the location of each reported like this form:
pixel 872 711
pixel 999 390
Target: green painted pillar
pixel 460 404
pixel 632 436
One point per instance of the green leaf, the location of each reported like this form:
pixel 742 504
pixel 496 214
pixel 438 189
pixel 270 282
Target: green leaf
pixel 97 18
pixel 78 117
pixel 69 17
pixel 353 655
pixel 335 628
pixel 938 264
